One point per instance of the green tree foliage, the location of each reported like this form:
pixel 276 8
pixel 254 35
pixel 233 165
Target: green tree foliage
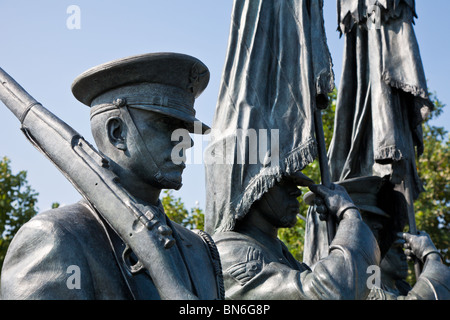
pixel 176 211
pixel 17 204
pixel 433 206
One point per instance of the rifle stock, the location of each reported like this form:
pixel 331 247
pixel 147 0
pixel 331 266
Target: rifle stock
pixel 145 232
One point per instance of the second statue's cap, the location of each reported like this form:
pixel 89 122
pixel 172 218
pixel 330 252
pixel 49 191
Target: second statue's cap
pixel 166 83
pixel 364 191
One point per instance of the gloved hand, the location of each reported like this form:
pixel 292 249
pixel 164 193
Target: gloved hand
pixel 419 245
pixel 334 201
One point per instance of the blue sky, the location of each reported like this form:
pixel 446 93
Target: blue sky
pixel 44 56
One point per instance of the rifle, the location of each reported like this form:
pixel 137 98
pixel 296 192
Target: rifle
pixel 144 232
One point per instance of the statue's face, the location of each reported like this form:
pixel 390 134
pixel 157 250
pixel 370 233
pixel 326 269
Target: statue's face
pixel 279 205
pixel 156 131
pixel 394 263
pixel 374 223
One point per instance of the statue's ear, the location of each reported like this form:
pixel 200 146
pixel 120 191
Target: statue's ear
pixel 116 131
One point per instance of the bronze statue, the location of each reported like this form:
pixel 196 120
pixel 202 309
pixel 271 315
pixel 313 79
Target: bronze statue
pixel 278 72
pixel 383 95
pixel 433 282
pixel 257 265
pixel 394 271
pixel 375 198
pixel 116 243
pixel 381 104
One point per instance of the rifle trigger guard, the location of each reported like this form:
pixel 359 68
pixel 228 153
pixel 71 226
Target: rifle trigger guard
pixel 131 262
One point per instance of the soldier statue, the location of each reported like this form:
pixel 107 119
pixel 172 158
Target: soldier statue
pixel 374 198
pixel 433 282
pixel 257 264
pixel 136 103
pixel 278 72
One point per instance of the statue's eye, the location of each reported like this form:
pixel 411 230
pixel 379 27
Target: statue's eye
pixel 172 123
pixel 166 121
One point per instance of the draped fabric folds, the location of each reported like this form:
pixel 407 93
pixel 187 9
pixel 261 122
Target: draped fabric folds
pixel 381 105
pixel 277 66
pixel 383 97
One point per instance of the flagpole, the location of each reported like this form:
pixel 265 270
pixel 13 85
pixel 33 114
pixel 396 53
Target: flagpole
pixel 324 168
pixel 407 192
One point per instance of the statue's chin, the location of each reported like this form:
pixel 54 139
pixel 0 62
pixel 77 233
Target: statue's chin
pixel 168 181
pixel 288 222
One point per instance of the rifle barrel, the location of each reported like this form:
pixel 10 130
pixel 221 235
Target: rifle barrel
pixel 14 96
